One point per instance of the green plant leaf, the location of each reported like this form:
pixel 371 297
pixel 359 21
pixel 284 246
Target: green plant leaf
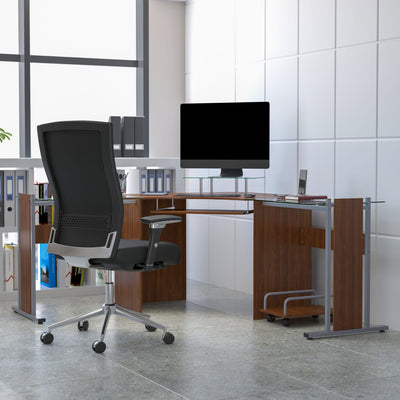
pixel 4 135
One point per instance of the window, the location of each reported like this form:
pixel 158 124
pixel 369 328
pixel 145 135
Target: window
pixel 73 59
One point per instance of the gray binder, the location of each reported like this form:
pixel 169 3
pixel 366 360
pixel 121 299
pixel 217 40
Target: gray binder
pixel 128 137
pixel 139 137
pixel 1 198
pixel 117 135
pixel 9 198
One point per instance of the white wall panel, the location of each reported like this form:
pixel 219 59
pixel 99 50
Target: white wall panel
pixel 356 169
pixel 318 159
pixel 209 86
pixel 250 81
pixel 222 252
pixel 244 256
pixel 356 21
pixel 389 15
pixel 281 177
pixel 316 25
pixel 281 92
pixel 281 28
pixel 356 91
pixel 388 187
pixel 316 95
pixel 389 89
pixel 385 282
pixel 197 247
pixel 250 35
pixel 211 34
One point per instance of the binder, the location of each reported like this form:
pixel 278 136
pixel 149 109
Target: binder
pixel 117 135
pixel 20 187
pixel 63 274
pixel 20 182
pixel 8 270
pixel 128 137
pixel 151 180
pixel 160 180
pixel 48 274
pixel 77 274
pixel 139 137
pixel 14 248
pixel 168 181
pixel 1 270
pixel 1 198
pixel 44 193
pixel 143 181
pixel 36 193
pixel 9 199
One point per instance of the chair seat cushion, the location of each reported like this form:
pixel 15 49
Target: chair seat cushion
pixel 133 252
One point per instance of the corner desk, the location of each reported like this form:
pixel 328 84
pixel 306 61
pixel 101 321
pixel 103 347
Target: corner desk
pixel 283 241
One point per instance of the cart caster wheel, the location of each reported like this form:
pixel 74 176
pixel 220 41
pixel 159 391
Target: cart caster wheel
pixel 168 338
pixel 150 328
pixel 286 322
pixel 315 316
pixel 270 318
pixel 99 347
pixel 83 325
pixel 47 337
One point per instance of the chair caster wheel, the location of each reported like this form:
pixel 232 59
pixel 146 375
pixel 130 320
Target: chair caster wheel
pixel 47 337
pixel 168 338
pixel 270 318
pixel 83 325
pixel 99 347
pixel 150 328
pixel 286 322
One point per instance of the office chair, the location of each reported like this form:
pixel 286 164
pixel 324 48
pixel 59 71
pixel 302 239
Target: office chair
pixel 88 215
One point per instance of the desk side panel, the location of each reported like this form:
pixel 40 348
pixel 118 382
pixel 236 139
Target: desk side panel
pixel 281 262
pixel 128 285
pixel 348 264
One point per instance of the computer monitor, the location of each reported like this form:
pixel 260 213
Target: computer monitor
pixel 229 136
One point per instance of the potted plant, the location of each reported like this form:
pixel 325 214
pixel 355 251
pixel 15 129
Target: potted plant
pixel 4 135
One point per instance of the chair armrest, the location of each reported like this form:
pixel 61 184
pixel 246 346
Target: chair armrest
pixel 155 221
pixel 157 224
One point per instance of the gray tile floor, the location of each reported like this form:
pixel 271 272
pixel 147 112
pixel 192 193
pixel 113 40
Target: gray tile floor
pixel 219 353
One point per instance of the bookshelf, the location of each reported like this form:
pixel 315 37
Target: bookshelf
pixel 41 232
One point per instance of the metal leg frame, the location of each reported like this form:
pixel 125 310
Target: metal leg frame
pixel 367 328
pixel 108 309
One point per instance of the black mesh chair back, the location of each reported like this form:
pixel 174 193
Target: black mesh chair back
pixel 88 213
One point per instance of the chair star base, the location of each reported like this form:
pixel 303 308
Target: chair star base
pixel 108 309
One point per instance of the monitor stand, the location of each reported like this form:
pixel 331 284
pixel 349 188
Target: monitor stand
pixel 231 172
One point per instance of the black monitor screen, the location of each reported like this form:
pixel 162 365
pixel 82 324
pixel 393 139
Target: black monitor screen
pixel 225 135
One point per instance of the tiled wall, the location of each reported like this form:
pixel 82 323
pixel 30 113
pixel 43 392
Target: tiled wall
pixel 331 71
